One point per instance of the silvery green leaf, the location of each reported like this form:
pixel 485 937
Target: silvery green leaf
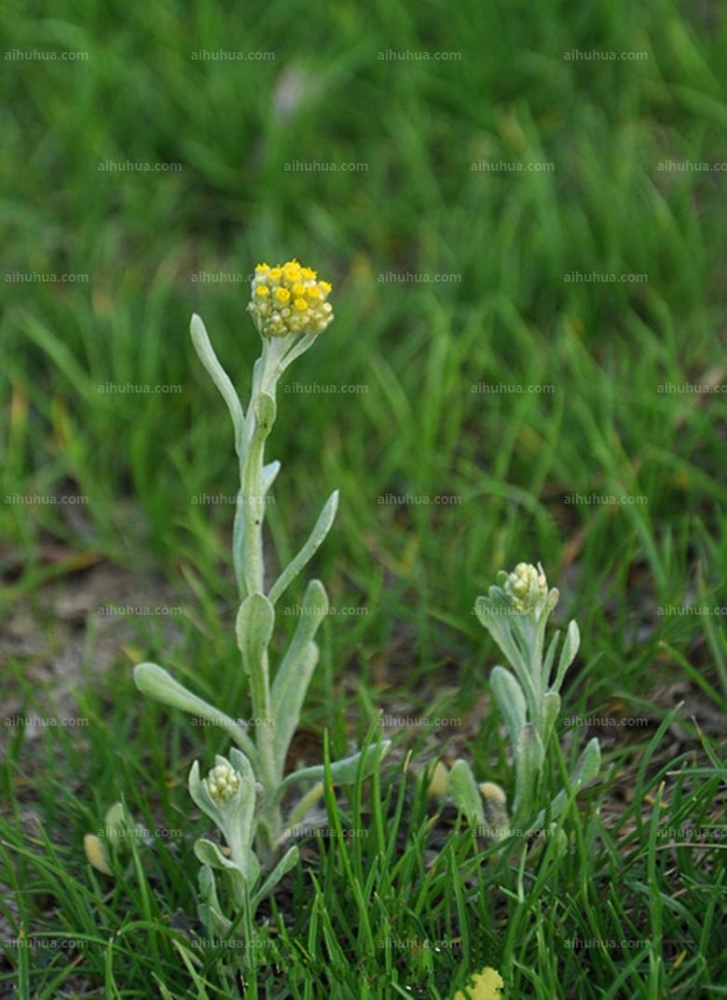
pixel 116 823
pixel 287 708
pixel 209 909
pixel 529 757
pixel 254 629
pixel 510 701
pixel 465 793
pixel 568 653
pixel 270 471
pixel 286 864
pixel 497 614
pixel 343 772
pixel 208 853
pixel 294 673
pixel 242 873
pixel 587 768
pixel 589 764
pixel 265 411
pixel 321 529
pixel 219 376
pixel 153 681
pixel 550 712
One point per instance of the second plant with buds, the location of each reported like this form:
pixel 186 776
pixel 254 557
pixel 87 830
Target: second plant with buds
pixel 528 696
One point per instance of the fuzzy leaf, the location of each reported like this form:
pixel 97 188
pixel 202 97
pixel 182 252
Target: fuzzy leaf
pixel 322 527
pixel 153 681
pixel 343 772
pixel 510 701
pixel 568 653
pixel 465 793
pixel 529 757
pixel 286 864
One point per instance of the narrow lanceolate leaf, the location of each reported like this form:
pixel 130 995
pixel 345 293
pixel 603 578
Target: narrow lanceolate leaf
pixel 286 711
pixel 219 376
pixel 568 653
pixel 270 471
pixel 550 712
pixel 589 764
pixel 510 700
pixel 323 526
pixel 153 681
pixel 343 772
pixel 286 864
pixel 465 793
pixel 294 673
pixel 587 768
pixel 529 757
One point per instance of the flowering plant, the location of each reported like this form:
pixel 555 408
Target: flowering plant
pixel 243 795
pixel 516 614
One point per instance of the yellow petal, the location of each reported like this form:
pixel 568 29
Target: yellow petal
pixel 486 985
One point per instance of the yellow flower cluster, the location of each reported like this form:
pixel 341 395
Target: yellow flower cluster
pixel 289 300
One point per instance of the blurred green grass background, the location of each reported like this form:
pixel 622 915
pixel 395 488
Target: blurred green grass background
pixel 490 299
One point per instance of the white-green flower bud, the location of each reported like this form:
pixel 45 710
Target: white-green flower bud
pixel 223 783
pixel 527 587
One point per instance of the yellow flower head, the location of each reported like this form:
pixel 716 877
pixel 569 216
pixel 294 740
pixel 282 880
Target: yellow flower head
pixel 289 300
